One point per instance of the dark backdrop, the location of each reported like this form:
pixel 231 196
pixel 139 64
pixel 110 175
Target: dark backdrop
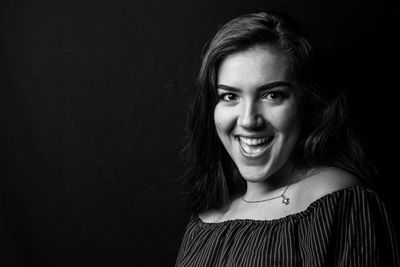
pixel 93 103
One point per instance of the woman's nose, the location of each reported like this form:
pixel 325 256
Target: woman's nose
pixel 250 117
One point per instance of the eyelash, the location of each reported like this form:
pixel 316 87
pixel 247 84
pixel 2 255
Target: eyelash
pixel 224 95
pixel 280 96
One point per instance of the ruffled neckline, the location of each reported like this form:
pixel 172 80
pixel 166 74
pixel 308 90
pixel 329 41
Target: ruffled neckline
pixel 291 217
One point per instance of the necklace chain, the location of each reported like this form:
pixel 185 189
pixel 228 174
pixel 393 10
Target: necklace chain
pixel 285 200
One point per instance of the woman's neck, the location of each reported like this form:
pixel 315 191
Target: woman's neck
pixel 274 184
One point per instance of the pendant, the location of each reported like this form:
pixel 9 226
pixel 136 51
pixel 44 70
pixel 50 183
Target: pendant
pixel 285 200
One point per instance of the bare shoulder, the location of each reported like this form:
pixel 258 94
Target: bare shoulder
pixel 332 178
pixel 217 215
pixel 321 182
pixel 209 215
pixel 214 215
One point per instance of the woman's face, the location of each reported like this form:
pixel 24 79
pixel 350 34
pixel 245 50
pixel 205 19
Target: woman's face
pixel 258 115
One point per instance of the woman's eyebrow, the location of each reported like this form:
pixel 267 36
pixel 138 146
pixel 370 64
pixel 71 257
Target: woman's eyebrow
pixel 275 84
pixel 267 86
pixel 228 88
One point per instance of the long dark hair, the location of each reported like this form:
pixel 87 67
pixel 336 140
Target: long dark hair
pixel 212 178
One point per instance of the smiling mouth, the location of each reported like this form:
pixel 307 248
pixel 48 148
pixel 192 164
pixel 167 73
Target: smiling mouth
pixel 254 147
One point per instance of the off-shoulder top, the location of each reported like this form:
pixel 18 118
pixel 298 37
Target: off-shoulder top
pixel 349 227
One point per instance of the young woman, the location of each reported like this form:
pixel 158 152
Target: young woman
pixel 276 178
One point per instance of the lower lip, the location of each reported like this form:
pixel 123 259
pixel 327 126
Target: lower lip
pixel 263 148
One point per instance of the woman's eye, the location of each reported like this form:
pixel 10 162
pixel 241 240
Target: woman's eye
pixel 273 96
pixel 228 97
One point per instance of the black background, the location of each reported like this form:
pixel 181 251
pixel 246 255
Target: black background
pixel 93 104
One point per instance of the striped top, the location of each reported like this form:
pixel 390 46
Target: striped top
pixel 349 227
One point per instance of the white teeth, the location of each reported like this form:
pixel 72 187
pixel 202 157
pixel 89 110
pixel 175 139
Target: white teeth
pixel 253 141
pixel 254 146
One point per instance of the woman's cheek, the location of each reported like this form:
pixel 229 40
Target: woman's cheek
pixel 223 117
pixel 285 117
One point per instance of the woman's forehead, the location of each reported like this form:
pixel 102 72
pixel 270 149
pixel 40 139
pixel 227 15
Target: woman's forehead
pixel 253 67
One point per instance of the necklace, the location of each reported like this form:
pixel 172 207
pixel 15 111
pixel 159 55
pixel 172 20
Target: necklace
pixel 285 200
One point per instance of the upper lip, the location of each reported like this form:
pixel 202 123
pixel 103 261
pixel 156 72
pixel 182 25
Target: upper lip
pixel 253 136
